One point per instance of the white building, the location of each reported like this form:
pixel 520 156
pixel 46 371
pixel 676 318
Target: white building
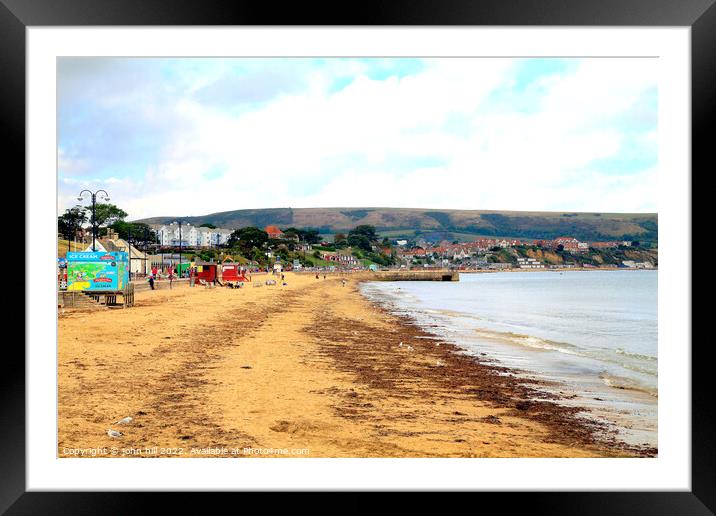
pixel 529 263
pixel 191 236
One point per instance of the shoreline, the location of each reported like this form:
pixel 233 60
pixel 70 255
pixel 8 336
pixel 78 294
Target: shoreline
pixel 310 366
pixel 524 392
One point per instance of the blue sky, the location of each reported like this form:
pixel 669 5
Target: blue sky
pixel 195 136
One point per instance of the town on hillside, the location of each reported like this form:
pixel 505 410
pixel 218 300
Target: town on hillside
pixel 177 247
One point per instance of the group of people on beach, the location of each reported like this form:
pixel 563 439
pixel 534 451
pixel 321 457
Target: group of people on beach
pixel 155 275
pixel 343 280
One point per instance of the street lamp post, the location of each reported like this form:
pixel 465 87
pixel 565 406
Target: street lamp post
pixel 179 222
pixel 146 245
pixel 129 250
pixel 161 250
pixel 94 219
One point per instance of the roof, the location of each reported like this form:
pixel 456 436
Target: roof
pixel 273 229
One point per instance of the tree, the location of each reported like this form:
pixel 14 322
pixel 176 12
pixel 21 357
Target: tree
pixel 139 231
pixel 366 230
pixel 359 241
pixel 292 233
pixel 311 236
pixel 245 239
pixel 207 225
pixel 307 235
pixel 69 222
pixel 339 240
pixel 107 214
pixel 362 237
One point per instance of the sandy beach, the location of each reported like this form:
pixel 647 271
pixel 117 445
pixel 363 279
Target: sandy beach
pixel 311 369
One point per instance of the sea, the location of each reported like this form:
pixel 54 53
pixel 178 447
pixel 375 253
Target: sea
pixel 591 336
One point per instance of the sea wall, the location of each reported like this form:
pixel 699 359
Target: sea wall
pixel 445 275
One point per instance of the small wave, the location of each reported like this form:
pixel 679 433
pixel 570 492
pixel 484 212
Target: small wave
pixel 529 341
pixel 621 351
pixel 637 363
pixel 620 382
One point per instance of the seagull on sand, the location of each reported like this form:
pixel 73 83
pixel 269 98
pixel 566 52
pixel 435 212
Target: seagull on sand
pixel 124 421
pixel 114 433
pixel 410 348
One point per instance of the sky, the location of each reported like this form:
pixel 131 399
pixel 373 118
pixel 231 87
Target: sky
pixel 183 137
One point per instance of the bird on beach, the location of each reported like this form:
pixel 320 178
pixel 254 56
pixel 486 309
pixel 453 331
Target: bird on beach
pixel 124 421
pixel 410 348
pixel 114 433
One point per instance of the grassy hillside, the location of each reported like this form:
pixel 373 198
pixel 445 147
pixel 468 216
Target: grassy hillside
pixel 447 224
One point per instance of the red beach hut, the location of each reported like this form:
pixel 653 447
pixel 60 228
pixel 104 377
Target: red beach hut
pixel 206 271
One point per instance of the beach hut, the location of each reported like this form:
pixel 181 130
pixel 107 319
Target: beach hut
pixel 206 271
pixel 182 268
pixel 232 273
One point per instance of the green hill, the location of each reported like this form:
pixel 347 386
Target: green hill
pixel 439 224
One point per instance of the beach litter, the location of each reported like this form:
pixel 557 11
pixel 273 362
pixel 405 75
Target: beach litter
pixel 114 433
pixel 124 420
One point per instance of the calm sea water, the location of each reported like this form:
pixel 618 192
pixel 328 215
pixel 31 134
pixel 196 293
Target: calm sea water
pixel 592 334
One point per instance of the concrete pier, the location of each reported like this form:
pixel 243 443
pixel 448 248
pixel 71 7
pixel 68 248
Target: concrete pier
pixel 444 275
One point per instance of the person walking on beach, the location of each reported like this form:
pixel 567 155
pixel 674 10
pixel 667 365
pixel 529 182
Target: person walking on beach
pixel 343 282
pixel 151 282
pixel 316 275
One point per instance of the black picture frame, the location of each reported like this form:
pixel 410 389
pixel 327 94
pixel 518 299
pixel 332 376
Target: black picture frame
pixel 17 15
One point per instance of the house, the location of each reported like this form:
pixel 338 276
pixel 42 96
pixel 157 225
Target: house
pixel 529 263
pixel 499 265
pixel 637 265
pixel 460 254
pixel 273 232
pixel 570 244
pixel 139 263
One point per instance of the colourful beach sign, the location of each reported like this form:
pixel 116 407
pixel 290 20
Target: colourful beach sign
pixel 97 271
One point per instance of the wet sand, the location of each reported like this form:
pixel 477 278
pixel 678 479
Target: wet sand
pixel 311 369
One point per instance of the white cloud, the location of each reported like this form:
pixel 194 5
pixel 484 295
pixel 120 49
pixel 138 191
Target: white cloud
pixel 366 145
